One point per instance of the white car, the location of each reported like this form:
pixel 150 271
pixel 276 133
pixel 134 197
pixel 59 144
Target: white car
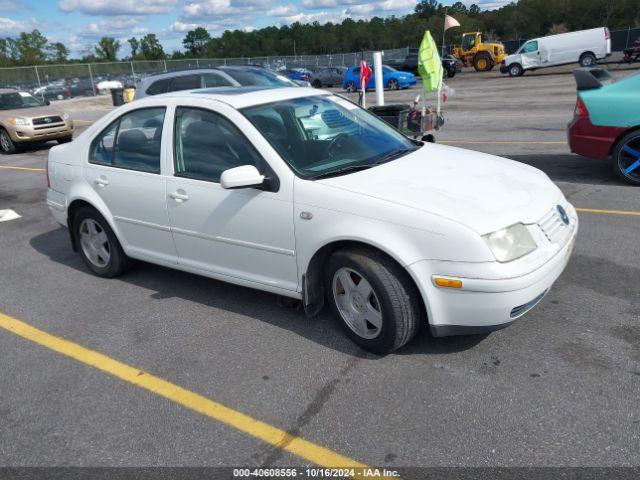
pixel 301 193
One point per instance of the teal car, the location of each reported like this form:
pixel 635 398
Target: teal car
pixel 606 121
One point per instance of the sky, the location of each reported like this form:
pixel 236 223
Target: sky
pixel 80 23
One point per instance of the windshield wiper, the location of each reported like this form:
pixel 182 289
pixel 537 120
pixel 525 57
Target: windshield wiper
pixel 395 154
pixel 340 171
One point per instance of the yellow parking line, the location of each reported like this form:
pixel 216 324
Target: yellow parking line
pixel 609 212
pixel 500 142
pixel 11 167
pixel 267 433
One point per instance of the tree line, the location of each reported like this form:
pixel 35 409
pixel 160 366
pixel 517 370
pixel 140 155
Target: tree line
pixel 519 19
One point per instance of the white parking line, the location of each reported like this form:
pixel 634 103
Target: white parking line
pixel 6 215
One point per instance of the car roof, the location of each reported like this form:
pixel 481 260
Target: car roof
pixel 8 90
pixel 179 73
pixel 241 97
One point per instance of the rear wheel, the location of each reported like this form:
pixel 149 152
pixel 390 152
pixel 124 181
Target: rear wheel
pixel 515 70
pixel 374 298
pixel 626 158
pixel 482 62
pixel 587 60
pixel 99 247
pixel 351 87
pixel 317 83
pixel 7 146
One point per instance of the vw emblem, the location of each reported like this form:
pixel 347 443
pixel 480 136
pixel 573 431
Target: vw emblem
pixel 48 120
pixel 563 214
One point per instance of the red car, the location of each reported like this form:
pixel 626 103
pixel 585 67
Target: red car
pixel 606 120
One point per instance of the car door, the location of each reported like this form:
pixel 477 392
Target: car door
pixel 530 55
pixel 123 168
pixel 242 234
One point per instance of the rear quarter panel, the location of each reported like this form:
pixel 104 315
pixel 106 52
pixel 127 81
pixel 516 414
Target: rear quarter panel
pixel 615 105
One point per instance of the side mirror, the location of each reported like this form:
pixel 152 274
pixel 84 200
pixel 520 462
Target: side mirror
pixel 241 177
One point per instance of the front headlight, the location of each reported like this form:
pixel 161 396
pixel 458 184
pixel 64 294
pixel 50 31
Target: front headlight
pixel 25 122
pixel 510 243
pixel 65 116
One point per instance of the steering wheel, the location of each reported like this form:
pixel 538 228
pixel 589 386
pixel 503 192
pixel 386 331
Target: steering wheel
pixel 335 142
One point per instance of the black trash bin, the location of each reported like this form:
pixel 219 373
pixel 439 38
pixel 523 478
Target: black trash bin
pixel 117 96
pixel 394 114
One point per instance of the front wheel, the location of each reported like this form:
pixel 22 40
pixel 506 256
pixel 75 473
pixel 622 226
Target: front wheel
pixel 515 70
pixel 482 62
pixel 317 84
pixel 626 158
pixel 393 84
pixel 374 297
pixel 7 146
pixel 65 139
pixel 99 247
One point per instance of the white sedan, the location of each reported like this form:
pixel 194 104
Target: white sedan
pixel 301 193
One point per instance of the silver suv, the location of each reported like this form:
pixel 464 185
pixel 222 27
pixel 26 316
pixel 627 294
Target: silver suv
pixel 211 77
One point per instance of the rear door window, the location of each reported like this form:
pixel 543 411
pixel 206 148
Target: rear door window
pixel 186 82
pixel 214 80
pixel 131 142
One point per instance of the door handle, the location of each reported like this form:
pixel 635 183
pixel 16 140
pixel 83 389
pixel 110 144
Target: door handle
pixel 179 196
pixel 101 181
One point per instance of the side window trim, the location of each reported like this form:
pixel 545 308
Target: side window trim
pixel 272 182
pixel 115 141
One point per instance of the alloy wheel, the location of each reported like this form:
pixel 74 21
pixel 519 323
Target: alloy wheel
pixel 629 159
pixel 393 84
pixel 357 303
pixel 95 243
pixel 5 142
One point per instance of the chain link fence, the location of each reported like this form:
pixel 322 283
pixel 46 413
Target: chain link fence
pixel 57 82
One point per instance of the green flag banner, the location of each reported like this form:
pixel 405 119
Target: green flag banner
pixel 429 64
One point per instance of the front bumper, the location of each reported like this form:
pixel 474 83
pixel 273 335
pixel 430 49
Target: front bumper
pixel 30 133
pixel 486 301
pixel 504 69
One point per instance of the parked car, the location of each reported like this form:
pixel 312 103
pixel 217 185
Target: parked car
pixel 210 77
pixel 233 184
pixel 81 87
pixel 53 92
pixel 606 120
pixel 391 78
pixel 297 74
pixel 585 47
pixel 327 77
pixel 24 119
pixel 450 64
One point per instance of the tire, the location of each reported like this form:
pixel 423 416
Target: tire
pixel 623 159
pixel 451 73
pixel 587 60
pixel 109 260
pixel 351 87
pixel 515 70
pixel 65 139
pixel 316 83
pixel 393 300
pixel 7 146
pixel 482 62
pixel 392 84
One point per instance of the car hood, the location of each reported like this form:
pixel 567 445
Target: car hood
pixel 33 112
pixel 483 192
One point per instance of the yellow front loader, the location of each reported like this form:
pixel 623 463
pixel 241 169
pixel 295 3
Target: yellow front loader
pixel 474 52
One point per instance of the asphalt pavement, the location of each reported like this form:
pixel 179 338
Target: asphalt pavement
pixel 560 387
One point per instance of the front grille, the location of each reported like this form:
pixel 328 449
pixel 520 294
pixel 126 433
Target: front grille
pixel 554 228
pixel 522 309
pixel 47 120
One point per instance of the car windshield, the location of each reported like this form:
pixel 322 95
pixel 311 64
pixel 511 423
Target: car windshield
pixel 263 78
pixel 15 100
pixel 322 136
pixel 387 68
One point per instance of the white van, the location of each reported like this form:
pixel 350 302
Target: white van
pixel 584 47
